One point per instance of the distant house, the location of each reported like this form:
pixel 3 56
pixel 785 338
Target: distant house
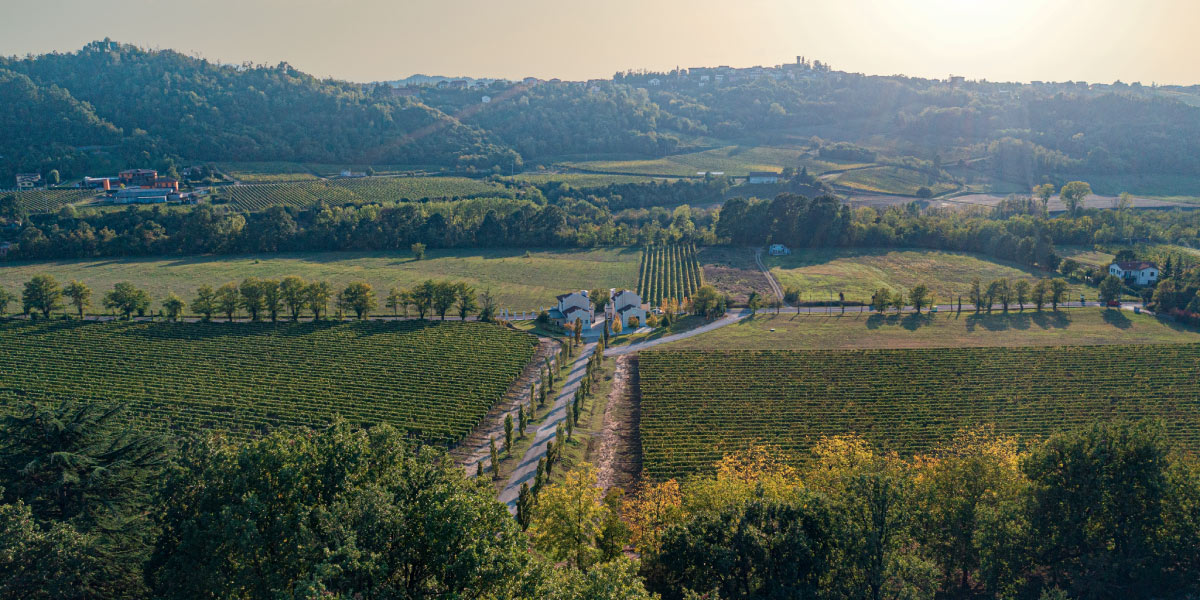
pixel 778 250
pixel 4 247
pixel 763 177
pixel 29 181
pixel 139 177
pixel 624 305
pixel 486 99
pixel 352 174
pixel 1139 272
pixel 655 82
pixel 166 183
pixel 572 306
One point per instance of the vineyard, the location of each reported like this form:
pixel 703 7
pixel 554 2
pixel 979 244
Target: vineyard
pixel 435 380
pixel 365 190
pixel 698 406
pixel 45 201
pixel 668 272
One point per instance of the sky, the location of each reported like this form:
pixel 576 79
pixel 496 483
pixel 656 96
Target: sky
pixel 1151 41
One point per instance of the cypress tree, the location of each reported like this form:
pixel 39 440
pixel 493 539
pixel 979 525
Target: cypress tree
pixel 495 460
pixel 521 420
pixel 508 434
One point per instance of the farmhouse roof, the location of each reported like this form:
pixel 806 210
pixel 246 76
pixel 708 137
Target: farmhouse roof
pixel 627 307
pixel 764 174
pixel 572 309
pixel 1136 265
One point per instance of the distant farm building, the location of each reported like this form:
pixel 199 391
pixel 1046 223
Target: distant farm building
pixel 486 99
pixel 778 250
pixel 140 177
pixel 1139 272
pixel 763 177
pixel 4 247
pixel 143 195
pixel 28 181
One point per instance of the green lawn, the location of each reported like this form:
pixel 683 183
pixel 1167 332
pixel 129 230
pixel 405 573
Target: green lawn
pixel 858 273
pixel 1085 255
pixel 519 282
pixel 1077 327
pixel 890 180
pixel 734 161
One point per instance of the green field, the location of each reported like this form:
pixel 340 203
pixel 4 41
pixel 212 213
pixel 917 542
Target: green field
pixel 856 329
pixel 364 190
pixel 734 161
pixel 1085 255
pixel 890 180
pixel 579 180
pixel 435 380
pixel 668 272
pixel 44 201
pixel 858 273
pixel 519 281
pixel 699 406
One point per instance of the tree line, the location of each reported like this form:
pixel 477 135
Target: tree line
pixel 291 296
pixel 91 508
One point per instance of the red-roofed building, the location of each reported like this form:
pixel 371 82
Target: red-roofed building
pixel 1139 272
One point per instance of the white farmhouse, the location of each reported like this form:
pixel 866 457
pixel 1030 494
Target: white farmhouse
pixel 1140 272
pixel 625 305
pixel 763 177
pixel 572 306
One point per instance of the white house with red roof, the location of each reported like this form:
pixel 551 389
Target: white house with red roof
pixel 1140 272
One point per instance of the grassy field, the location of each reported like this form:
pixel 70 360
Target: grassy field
pixel 267 172
pixel 734 161
pixel 1085 255
pixel 699 406
pixel 357 191
pixel 436 380
pixel 858 273
pixel 1076 327
pixel 519 282
pixel 890 180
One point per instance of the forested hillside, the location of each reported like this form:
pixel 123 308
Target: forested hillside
pixel 110 104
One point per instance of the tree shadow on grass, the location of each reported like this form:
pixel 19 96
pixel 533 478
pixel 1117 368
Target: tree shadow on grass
pixel 999 321
pixel 1117 319
pixel 914 321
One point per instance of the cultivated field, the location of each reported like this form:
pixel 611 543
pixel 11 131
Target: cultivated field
pixel 1076 326
pixel 435 380
pixel 519 279
pixel 698 406
pixel 668 272
pixel 579 180
pixel 357 191
pixel 733 271
pixel 858 273
pixel 44 201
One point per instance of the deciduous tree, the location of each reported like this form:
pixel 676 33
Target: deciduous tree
pixel 41 294
pixel 127 299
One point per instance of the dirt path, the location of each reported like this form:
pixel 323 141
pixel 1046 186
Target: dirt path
pixel 619 456
pixel 527 468
pixel 728 319
pixel 767 273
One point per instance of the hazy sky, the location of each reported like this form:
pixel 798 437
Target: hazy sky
pixel 364 40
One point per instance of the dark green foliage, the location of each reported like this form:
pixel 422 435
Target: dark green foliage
pixel 86 480
pixel 763 549
pixel 341 511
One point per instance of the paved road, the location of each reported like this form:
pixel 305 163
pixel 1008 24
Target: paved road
pixel 527 469
pixel 728 319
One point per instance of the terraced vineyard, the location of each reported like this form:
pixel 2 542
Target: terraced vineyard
pixel 669 272
pixel 436 380
pixel 44 201
pixel 357 191
pixel 698 406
